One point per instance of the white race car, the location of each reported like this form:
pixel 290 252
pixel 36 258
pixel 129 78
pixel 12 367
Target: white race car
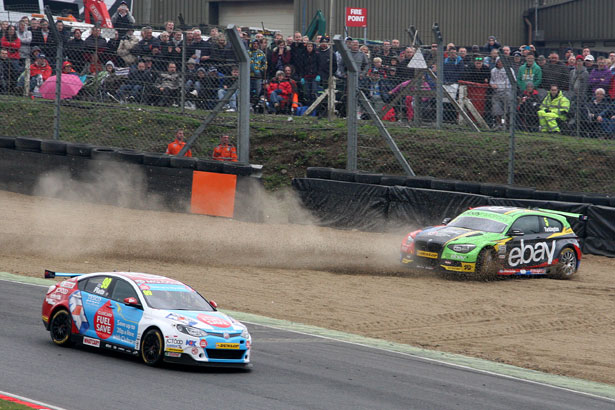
pixel 158 318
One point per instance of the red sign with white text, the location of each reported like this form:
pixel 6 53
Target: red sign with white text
pixel 356 17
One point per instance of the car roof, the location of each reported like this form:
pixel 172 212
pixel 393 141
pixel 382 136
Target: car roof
pixel 512 212
pixel 139 277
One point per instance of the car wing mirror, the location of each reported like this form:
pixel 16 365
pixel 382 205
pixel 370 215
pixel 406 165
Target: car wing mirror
pixel 132 301
pixel 516 232
pixel 213 304
pixel 445 221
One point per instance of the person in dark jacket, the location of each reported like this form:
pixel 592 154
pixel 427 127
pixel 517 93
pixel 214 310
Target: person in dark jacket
pixel 307 71
pixel 323 57
pixel 148 45
pixel 596 116
pixel 477 73
pixel 555 72
pixel 199 49
pixel 45 40
pixel 453 67
pixel 491 44
pixel 95 44
pixel 122 19
pixel 75 49
pixel 137 79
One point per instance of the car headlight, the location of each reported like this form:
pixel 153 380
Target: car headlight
pixel 245 334
pixel 461 248
pixel 192 331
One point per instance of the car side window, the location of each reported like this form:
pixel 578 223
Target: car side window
pixel 527 225
pixel 123 290
pixel 100 285
pixel 550 225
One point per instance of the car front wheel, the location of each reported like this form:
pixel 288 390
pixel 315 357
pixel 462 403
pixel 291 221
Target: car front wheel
pixel 61 327
pixel 486 264
pixel 151 347
pixel 567 264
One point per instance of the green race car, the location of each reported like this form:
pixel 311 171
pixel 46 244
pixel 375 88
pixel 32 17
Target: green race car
pixel 494 240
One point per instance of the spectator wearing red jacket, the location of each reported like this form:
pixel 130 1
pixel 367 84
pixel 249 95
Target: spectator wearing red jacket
pixel 279 92
pixel 176 146
pixel 12 43
pixel 225 151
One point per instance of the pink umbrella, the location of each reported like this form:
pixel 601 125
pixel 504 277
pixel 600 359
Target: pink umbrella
pixel 70 86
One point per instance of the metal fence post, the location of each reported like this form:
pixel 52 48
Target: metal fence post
pixel 352 85
pixel 183 85
pixel 513 115
pixel 59 54
pixel 243 128
pixel 440 78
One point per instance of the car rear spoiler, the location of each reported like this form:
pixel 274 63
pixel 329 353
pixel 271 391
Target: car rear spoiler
pixel 49 274
pixel 580 217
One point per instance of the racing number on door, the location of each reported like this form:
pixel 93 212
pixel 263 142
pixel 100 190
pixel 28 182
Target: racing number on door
pixel 105 283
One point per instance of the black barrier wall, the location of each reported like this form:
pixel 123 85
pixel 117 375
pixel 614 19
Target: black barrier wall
pixel 114 182
pixel 352 205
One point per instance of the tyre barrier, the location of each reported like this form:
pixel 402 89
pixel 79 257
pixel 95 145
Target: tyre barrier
pixel 419 182
pixel 28 144
pixel 546 195
pixel 319 172
pixel 104 154
pixel 367 178
pixel 515 192
pixel 79 150
pixel 443 184
pixel 183 162
pixel 572 197
pixel 392 180
pixel 233 168
pixel 156 159
pixel 131 156
pixel 209 165
pixel 467 187
pixel 342 175
pixel 7 142
pixel 597 199
pixel 54 147
pixel 495 190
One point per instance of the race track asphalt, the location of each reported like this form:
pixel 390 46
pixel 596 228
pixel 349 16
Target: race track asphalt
pixel 291 371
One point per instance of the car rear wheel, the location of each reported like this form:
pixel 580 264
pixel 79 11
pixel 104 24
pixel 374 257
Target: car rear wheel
pixel 486 264
pixel 60 328
pixel 151 347
pixel 567 265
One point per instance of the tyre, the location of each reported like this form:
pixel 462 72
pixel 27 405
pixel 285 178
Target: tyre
pixel 79 150
pixel 567 264
pixel 28 144
pixel 367 178
pixel 486 264
pixel 234 168
pixel 131 156
pixel 7 142
pixel 60 328
pixel 342 175
pixel 572 197
pixel 152 347
pixel 157 160
pixel 495 190
pixel 467 187
pixel 104 154
pixel 597 199
pixel 419 182
pixel 443 184
pixel 318 172
pixel 182 162
pixel 209 165
pixel 516 192
pixel 393 180
pixel 546 195
pixel 53 147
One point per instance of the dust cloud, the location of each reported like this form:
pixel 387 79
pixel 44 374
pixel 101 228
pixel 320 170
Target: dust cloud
pixel 68 220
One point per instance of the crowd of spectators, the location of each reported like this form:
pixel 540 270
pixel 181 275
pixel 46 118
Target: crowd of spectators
pixel 555 93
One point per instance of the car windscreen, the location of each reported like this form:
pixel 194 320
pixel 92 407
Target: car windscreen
pixel 173 297
pixel 478 224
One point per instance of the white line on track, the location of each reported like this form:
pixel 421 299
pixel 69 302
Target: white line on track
pixel 38 403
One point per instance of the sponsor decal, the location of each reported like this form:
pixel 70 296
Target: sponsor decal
pixel 456 256
pixel 172 354
pixel 144 287
pixel 63 291
pixel 191 343
pixel 93 300
pixel 248 344
pixel 203 343
pixel 406 260
pixel 174 341
pixel 465 267
pixel 195 351
pixel 174 349
pixel 551 229
pixel 531 253
pixel 45 318
pixel 226 335
pixel 213 320
pixel 227 345
pixel 103 321
pixel 90 341
pixel 78 314
pixel 424 254
pixel 67 284
pixel 55 296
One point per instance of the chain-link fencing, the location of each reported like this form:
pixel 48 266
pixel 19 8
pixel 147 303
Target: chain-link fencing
pixel 553 129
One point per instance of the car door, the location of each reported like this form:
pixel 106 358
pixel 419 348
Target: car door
pixel 95 293
pixel 528 247
pixel 127 318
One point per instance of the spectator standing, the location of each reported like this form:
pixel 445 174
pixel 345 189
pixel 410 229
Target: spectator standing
pixel 200 50
pixel 297 49
pixel 517 61
pixel 280 57
pixel 176 146
pixel 75 51
pixel 112 46
pixel 308 70
pixel 600 77
pixel 63 32
pixel 492 43
pixel 453 67
pixel 258 68
pixel 44 39
pixel 122 19
pixel 501 94
pixel 386 53
pixel 177 44
pixel 8 76
pixel 555 72
pixel 25 36
pixel 126 47
pixel 4 25
pixel 589 62
pixel 222 55
pixel 148 46
pixel 12 44
pixel 554 109
pixel 225 151
pixel 579 81
pixel 530 71
pixel 162 60
pixel 529 103
pixel 95 44
pixel 323 58
pixel 478 73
